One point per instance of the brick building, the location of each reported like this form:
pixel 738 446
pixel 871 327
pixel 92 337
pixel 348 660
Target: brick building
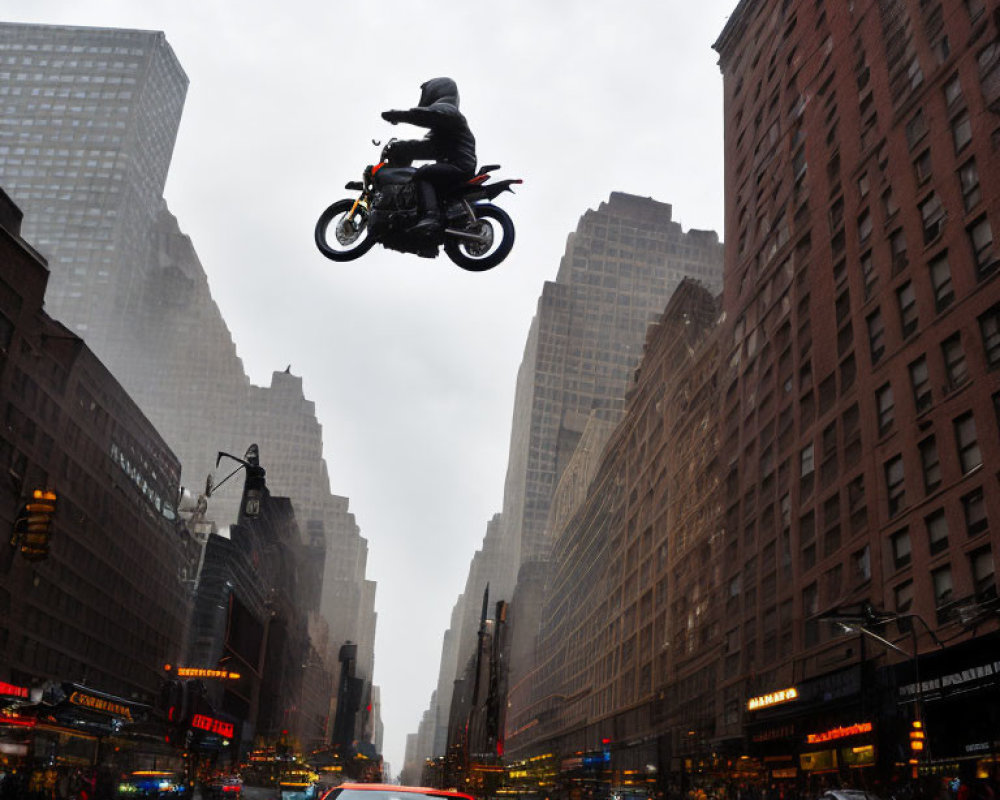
pixel 860 418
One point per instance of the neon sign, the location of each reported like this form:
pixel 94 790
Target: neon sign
pixel 839 733
pixel 11 690
pixel 100 704
pixel 212 725
pixel 195 672
pixel 772 699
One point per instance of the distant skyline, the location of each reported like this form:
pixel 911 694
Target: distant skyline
pixel 411 362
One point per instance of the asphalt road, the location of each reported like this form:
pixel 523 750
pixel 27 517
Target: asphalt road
pixel 259 793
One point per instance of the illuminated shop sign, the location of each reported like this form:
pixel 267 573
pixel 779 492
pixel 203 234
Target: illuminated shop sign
pixel 965 676
pixel 772 699
pixel 194 672
pixel 212 725
pixel 839 733
pixel 10 690
pixel 100 704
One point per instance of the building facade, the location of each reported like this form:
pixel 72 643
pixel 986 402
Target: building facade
pixel 90 120
pixel 622 674
pixel 108 606
pixel 89 125
pixel 620 267
pixel 860 414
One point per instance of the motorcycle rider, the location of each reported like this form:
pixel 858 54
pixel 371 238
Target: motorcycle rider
pixel 448 143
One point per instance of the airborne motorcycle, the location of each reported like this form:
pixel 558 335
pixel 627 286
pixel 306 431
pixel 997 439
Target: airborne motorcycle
pixel 476 234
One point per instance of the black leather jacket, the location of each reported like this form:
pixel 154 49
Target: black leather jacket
pixel 449 139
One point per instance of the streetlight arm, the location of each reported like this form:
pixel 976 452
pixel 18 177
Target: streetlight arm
pixel 861 629
pixel 242 465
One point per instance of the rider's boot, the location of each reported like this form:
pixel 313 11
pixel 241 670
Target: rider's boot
pixel 431 220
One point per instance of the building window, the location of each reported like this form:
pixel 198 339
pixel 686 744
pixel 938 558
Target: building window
pixel 842 306
pixel 981 238
pixel 876 336
pixel 907 299
pixel 807 460
pixel 889 205
pixel 897 248
pixel 941 580
pixel 954 361
pixel 903 595
pixel 931 464
pixel 989 329
pixel 869 273
pixel 961 131
pixel 862 564
pixel 916 128
pixel 937 531
pixel 953 91
pixel 864 226
pixel 836 214
pixel 974 508
pixel 922 166
pixel 969 455
pixel 886 408
pixel 895 485
pixel 944 293
pixel 932 214
pixel 810 600
pixel 983 581
pixel 968 176
pixel 921 383
pixel 900 542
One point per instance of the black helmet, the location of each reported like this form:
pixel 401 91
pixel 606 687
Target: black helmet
pixel 438 90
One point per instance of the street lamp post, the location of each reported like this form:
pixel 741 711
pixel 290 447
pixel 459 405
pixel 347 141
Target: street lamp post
pixel 253 486
pixel 851 621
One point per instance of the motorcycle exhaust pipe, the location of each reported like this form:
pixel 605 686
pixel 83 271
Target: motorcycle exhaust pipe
pixel 472 237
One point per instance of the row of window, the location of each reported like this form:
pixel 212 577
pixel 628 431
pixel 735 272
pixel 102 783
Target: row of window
pixel 956 370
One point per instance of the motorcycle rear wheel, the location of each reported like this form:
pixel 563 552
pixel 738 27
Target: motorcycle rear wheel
pixel 343 238
pixel 493 223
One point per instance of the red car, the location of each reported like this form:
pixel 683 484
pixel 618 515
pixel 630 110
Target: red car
pixel 386 791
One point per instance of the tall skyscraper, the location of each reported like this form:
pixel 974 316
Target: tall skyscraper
pixel 89 120
pixel 627 638
pixel 87 132
pixel 620 268
pixel 860 420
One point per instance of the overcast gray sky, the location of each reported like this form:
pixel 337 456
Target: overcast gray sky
pixel 411 362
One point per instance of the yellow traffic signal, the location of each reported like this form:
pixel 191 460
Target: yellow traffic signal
pixel 33 526
pixel 917 737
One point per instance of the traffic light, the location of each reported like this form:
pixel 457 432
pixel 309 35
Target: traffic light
pixel 916 739
pixel 33 525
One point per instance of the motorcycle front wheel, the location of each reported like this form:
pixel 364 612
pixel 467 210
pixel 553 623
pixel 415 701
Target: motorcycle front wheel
pixel 497 232
pixel 341 236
